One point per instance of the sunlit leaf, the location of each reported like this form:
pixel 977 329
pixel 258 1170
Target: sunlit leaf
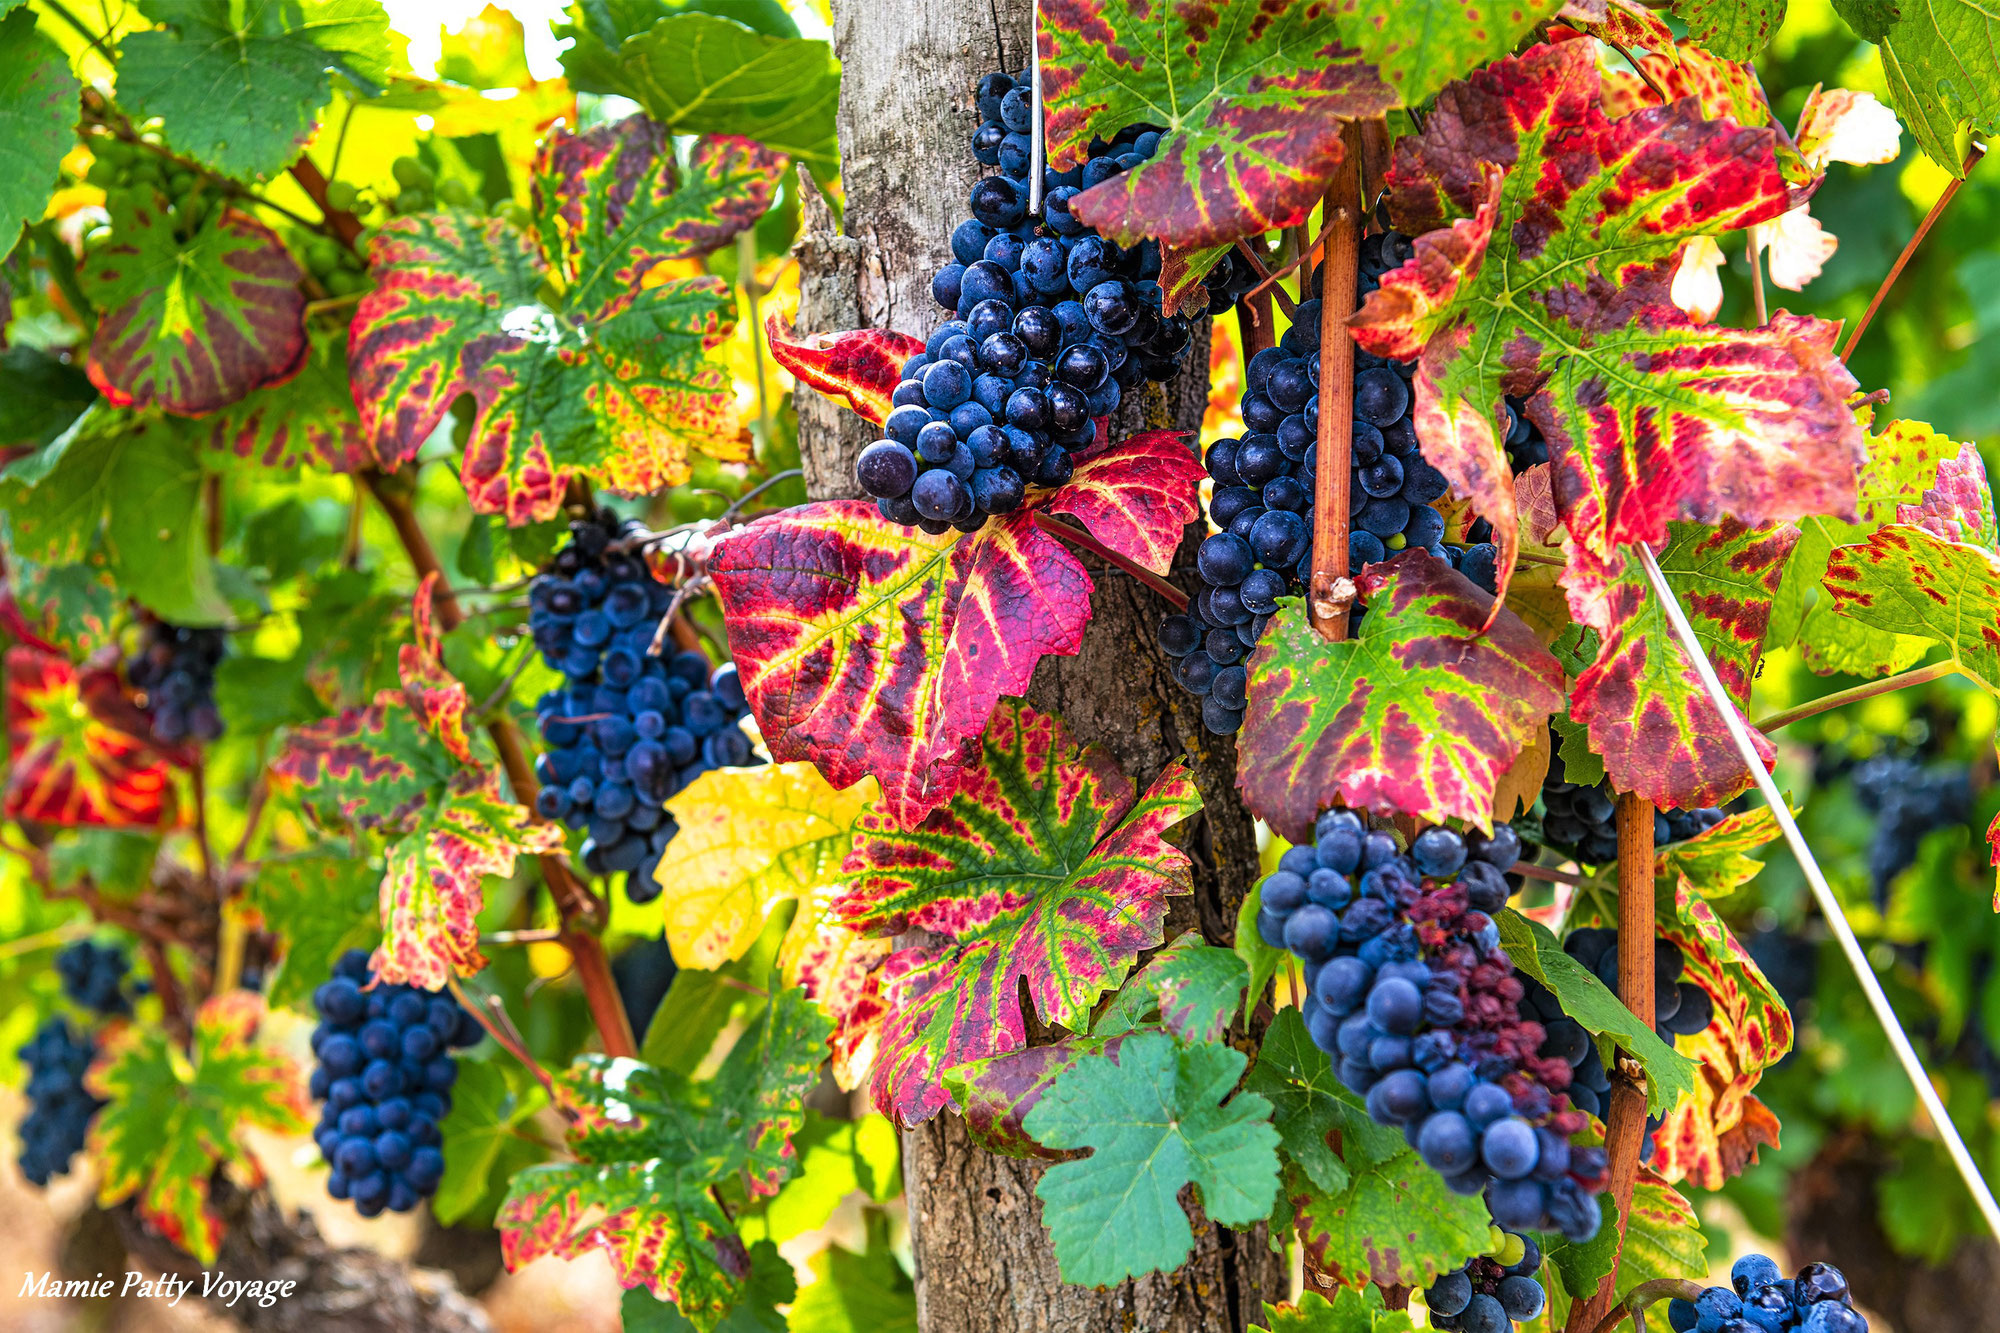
pixel 66 764
pixel 1662 1239
pixel 1043 873
pixel 1250 95
pixel 321 903
pixel 174 1117
pixel 1904 580
pixel 862 366
pixel 489 1136
pixel 38 97
pixel 1419 713
pixel 1732 29
pixel 1421 45
pixel 1941 61
pixel 1349 1311
pixel 1396 1223
pixel 1195 987
pixel 436 696
pixel 702 74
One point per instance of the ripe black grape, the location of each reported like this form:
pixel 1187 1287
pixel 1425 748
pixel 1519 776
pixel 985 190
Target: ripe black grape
pixel 1485 1293
pixel 60 1111
pixel 93 976
pixel 173 673
pixel 385 1075
pixel 1908 802
pixel 1758 1297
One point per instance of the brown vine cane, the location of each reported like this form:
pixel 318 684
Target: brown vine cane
pixel 1331 591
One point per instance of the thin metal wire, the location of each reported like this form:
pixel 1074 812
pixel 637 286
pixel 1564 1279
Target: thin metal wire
pixel 1036 150
pixel 1829 906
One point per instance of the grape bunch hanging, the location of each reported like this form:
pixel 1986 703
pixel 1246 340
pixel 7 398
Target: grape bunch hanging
pixel 385 1074
pixel 1760 1299
pixel 1408 989
pixel 1050 324
pixel 93 977
pixel 1262 503
pixel 629 729
pixel 1485 1292
pixel 1582 820
pixel 174 674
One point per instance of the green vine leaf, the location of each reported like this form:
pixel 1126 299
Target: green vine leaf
pixel 1251 96
pixel 1662 1239
pixel 1311 1107
pixel 1396 1223
pixel 1349 1311
pixel 1939 60
pixel 613 381
pixel 173 1118
pixel 37 122
pixel 1155 1120
pixel 651 1144
pixel 308 421
pixel 1195 987
pixel 1043 872
pixel 238 85
pixel 1732 29
pixel 489 1138
pixel 1421 712
pixel 1909 581
pixel 1421 45
pixel 322 903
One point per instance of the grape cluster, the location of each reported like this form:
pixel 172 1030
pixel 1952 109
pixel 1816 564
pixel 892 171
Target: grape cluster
pixel 93 976
pixel 144 164
pixel 1908 801
pixel 60 1108
pixel 1488 1291
pixel 629 729
pixel 1582 821
pixel 174 675
pixel 1409 989
pixel 385 1073
pixel 1760 1300
pixel 1050 324
pixel 1263 500
pixel 1680 1008
pixel 1524 443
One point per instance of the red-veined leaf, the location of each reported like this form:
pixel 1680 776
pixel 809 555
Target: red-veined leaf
pixel 1421 45
pixel 1555 278
pixel 308 421
pixel 870 648
pixel 996 1093
pixel 434 694
pixel 863 365
pixel 1723 87
pixel 1907 580
pixel 1420 713
pixel 1251 93
pixel 373 767
pixel 837 969
pixel 172 1119
pixel 616 383
pixel 1628 23
pixel 66 764
pixel 650 1145
pixel 194 325
pixel 1042 872
pixel 1648 714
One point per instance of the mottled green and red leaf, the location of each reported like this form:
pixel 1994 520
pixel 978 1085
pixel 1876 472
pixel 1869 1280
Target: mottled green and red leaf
pixel 67 763
pixel 862 365
pixel 1907 580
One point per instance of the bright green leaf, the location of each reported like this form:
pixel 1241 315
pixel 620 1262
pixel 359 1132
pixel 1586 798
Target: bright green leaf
pixel 321 903
pixel 486 1138
pixel 707 75
pixel 38 110
pixel 1941 60
pixel 1421 45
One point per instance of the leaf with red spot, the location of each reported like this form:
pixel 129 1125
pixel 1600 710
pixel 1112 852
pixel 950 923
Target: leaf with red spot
pixel 1732 29
pixel 874 649
pixel 863 365
pixel 308 421
pixel 1628 23
pixel 1649 717
pixel 69 608
pixel 434 694
pixel 996 1093
pixel 1907 580
pixel 1251 93
pixel 615 382
pixel 67 764
pixel 1420 713
pixel 1723 87
pixel 1043 871
pixel 431 889
pixel 194 325
pixel 1554 282
pixel 173 1118
pixel 1959 508
pixel 651 1145
pixel 376 767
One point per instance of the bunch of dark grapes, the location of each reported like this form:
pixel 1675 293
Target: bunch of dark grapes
pixel 1908 801
pixel 644 972
pixel 1583 822
pixel 1524 443
pixel 1409 989
pixel 385 1073
pixel 174 675
pixel 60 1108
pixel 1680 1008
pixel 1760 1300
pixel 1488 1291
pixel 1050 324
pixel 93 976
pixel 629 729
pixel 1263 500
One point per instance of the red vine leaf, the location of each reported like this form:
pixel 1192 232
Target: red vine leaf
pixel 66 763
pixel 1554 281
pixel 1042 872
pixel 873 649
pixel 434 694
pixel 863 365
pixel 1959 508
pixel 996 1093
pixel 1252 94
pixel 1182 269
pixel 308 421
pixel 1723 87
pixel 1658 731
pixel 375 767
pixel 615 382
pixel 191 326
pixel 1420 713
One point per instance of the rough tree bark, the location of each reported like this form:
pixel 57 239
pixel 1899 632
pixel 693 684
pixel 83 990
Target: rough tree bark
pixel 983 1260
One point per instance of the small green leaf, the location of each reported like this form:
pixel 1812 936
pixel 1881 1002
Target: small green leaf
pixel 1669 1074
pixel 1312 1106
pixel 702 74
pixel 1349 1311
pixel 1396 1223
pixel 1154 1122
pixel 1870 19
pixel 486 1138
pixel 38 112
pixel 1265 962
pixel 321 903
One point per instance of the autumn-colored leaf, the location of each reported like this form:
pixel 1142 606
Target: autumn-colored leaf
pixel 435 695
pixel 172 1118
pixel 863 365
pixel 1251 93
pixel 1421 45
pixel 1650 718
pixel 66 764
pixel 191 325
pixel 615 382
pixel 1906 580
pixel 750 839
pixel 838 970
pixel 1420 713
pixel 374 767
pixel 1554 281
pixel 1723 87
pixel 1959 508
pixel 1732 29
pixel 650 1145
pixel 308 421
pixel 995 1093
pixel 1182 269
pixel 1043 872
pixel 872 649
